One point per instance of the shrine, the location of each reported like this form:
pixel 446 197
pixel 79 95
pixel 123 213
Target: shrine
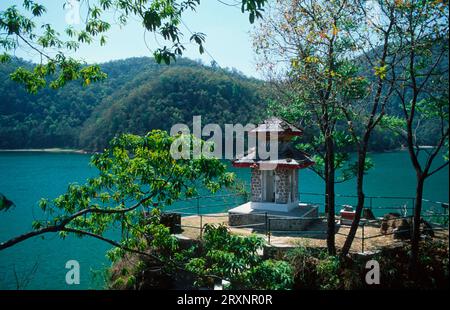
pixel 274 181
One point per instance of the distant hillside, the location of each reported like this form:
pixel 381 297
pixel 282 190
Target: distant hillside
pixel 138 95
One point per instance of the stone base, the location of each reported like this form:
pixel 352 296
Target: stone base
pixel 296 219
pixel 269 206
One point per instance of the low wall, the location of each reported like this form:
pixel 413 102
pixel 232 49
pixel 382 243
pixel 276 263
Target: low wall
pixel 279 252
pixel 266 221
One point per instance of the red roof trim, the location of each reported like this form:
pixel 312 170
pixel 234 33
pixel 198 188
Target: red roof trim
pixel 280 133
pixel 254 165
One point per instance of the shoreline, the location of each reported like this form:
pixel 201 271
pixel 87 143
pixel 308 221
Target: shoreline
pixel 47 150
pixel 80 151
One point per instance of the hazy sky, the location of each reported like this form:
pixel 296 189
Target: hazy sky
pixel 226 28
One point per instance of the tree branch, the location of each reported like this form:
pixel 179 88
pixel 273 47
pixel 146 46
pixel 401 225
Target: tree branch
pixel 61 226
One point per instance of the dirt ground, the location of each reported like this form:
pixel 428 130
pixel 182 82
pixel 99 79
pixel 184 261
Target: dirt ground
pixel 314 237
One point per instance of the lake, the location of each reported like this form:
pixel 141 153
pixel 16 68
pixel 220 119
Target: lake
pixel 38 263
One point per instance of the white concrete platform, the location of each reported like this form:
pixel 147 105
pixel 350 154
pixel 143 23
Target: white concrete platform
pixel 275 209
pixel 298 218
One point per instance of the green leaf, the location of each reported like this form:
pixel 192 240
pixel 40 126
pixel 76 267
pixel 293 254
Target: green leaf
pixel 251 17
pixel 381 71
pixel 152 20
pixel 5 58
pixel 38 9
pixel 102 40
pixel 5 203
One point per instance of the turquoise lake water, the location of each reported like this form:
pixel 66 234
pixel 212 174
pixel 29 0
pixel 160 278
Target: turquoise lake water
pixel 25 177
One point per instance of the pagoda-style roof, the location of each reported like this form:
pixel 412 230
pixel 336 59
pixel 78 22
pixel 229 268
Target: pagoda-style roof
pixel 279 126
pixel 288 157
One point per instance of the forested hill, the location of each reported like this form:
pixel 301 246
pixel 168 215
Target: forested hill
pixel 138 95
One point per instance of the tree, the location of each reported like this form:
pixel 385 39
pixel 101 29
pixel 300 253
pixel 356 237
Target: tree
pixel 19 30
pixel 137 178
pixel 305 40
pixel 362 58
pixel 421 85
pixel 236 259
pixel 344 165
pixel 136 174
pixel 372 33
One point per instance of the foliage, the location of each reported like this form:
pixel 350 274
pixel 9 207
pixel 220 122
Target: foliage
pixel 175 96
pixel 306 47
pixel 20 28
pixel 236 259
pixel 5 203
pixel 139 95
pixel 338 68
pixel 26 28
pixel 432 268
pixel 314 269
pixel 314 140
pixel 327 270
pixel 345 164
pixel 137 176
pixel 421 85
pixel 303 261
pixel 220 255
pixel 318 75
pixel 87 117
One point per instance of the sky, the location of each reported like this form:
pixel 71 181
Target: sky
pixel 227 31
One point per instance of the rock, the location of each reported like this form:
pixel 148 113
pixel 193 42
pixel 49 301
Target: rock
pixel 173 221
pixel 402 231
pixel 426 229
pixel 391 215
pixel 368 214
pixel 401 227
pixel 394 221
pixel 388 223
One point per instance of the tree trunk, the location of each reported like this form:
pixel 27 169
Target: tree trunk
pixel 330 197
pixel 360 205
pixel 413 259
pixel 326 171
